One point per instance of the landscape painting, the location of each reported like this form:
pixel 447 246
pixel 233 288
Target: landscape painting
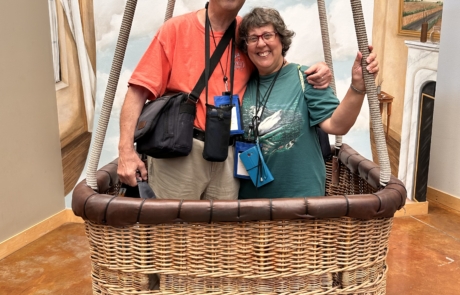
pixel 415 12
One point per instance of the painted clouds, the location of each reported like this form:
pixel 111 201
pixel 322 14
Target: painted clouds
pixel 300 16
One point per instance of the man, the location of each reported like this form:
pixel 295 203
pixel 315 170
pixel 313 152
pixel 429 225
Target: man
pixel 172 63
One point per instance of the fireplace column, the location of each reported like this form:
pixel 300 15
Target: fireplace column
pixel 422 64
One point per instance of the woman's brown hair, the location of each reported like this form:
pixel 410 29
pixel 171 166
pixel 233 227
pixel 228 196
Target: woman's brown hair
pixel 259 17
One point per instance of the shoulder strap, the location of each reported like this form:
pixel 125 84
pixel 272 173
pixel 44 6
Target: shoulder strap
pixel 302 82
pixel 229 34
pixel 211 64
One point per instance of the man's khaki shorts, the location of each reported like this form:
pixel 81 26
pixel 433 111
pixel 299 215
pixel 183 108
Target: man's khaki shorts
pixel 192 177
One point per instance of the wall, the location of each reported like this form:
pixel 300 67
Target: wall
pixel 392 54
pixel 31 185
pixel 444 174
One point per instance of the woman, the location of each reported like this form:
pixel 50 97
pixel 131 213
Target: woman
pixel 283 112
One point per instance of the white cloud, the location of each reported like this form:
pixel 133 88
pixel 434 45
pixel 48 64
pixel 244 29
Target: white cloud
pixel 307 45
pixel 250 4
pixel 148 17
pixel 342 28
pixel 107 19
pixel 183 6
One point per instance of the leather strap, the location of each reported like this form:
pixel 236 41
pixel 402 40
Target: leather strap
pixel 212 63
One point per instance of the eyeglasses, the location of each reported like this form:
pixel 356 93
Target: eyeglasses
pixel 266 37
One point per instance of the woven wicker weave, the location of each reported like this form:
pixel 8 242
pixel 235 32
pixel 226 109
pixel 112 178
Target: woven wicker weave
pixel 305 256
pixel 328 256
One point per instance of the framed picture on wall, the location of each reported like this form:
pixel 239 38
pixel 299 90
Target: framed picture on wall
pixel 413 13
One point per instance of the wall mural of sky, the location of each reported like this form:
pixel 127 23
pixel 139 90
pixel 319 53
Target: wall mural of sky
pixel 301 16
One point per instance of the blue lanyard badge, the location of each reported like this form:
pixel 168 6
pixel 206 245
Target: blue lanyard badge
pixel 239 171
pixel 235 127
pixel 255 166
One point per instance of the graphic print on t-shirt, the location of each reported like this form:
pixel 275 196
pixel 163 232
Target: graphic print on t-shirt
pixel 278 130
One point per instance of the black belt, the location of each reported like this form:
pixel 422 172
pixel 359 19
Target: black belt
pixel 199 134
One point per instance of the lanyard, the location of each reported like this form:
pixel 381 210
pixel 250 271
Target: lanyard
pixel 261 103
pixel 223 42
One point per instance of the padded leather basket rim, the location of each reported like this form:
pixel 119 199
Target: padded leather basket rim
pixel 100 208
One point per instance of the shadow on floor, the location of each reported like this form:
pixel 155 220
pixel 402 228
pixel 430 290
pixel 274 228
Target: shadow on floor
pixel 423 258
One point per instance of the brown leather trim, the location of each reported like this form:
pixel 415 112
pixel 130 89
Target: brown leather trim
pixel 141 125
pixel 120 211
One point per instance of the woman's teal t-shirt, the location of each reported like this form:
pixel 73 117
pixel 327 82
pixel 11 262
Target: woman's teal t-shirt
pixel 287 135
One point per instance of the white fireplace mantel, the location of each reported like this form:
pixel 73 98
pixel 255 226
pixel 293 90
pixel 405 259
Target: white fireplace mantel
pixel 422 65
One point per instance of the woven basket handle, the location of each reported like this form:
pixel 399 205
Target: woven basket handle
pixel 379 136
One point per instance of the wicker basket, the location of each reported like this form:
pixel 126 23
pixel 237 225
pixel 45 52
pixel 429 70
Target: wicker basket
pixel 334 244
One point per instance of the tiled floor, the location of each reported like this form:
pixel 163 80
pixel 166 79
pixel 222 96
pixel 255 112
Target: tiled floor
pixel 424 258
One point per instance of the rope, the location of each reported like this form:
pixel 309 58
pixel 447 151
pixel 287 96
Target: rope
pixel 325 36
pixel 371 89
pixel 327 53
pixel 169 9
pixel 107 103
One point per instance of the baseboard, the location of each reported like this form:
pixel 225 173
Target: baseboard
pixel 413 208
pixel 40 229
pixel 393 134
pixel 443 198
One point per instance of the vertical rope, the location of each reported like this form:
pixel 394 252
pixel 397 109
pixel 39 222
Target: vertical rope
pixel 169 9
pixel 325 37
pixel 107 104
pixel 379 136
pixel 327 53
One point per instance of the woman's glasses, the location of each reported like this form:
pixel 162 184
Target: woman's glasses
pixel 266 37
